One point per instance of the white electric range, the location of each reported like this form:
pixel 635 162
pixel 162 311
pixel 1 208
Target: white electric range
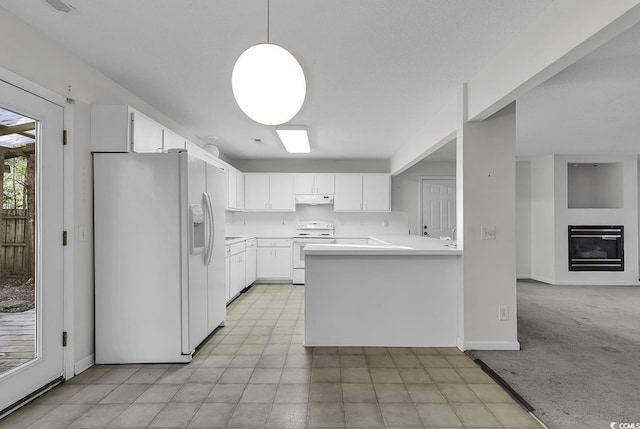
pixel 307 232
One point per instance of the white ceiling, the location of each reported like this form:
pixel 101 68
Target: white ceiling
pixel 591 107
pixel 376 69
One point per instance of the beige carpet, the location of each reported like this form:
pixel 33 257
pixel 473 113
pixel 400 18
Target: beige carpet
pixel 579 366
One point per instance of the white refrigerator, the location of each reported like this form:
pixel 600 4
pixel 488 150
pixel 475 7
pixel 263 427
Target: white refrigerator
pixel 159 222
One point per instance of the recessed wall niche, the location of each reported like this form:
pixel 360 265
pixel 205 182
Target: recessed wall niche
pixel 595 185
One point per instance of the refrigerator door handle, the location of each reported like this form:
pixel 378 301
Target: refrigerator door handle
pixel 212 225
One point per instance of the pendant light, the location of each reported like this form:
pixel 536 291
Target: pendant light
pixel 268 83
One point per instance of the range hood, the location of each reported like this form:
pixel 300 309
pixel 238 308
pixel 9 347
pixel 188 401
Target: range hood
pixel 314 200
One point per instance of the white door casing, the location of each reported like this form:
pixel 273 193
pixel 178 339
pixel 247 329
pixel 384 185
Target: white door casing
pixel 438 213
pixel 48 364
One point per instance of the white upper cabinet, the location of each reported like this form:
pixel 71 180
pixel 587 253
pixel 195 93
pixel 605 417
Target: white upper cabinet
pixel 147 134
pixel 232 185
pixel 376 194
pixel 367 192
pixel 325 184
pixel 269 192
pixel 303 184
pixel 120 128
pixel 256 192
pixel 239 190
pixel 348 193
pixel 235 196
pixel 314 184
pixel 172 141
pixel 281 192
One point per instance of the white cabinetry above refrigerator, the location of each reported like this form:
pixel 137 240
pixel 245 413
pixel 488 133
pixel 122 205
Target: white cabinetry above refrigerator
pixel 121 128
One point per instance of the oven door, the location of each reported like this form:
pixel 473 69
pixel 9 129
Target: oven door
pixel 298 248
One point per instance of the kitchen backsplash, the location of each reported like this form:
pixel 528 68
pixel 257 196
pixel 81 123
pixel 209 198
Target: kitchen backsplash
pixel 284 224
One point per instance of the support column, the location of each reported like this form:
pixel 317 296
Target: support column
pixel 485 180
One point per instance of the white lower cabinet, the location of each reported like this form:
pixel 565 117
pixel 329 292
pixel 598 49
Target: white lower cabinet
pixel 227 266
pixel 236 269
pixel 251 255
pixel 274 259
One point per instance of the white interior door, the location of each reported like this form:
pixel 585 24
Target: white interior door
pixel 43 326
pixel 438 207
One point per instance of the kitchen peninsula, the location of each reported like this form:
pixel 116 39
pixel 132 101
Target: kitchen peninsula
pixel 400 293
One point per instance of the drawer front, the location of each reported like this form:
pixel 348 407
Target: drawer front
pixel 274 242
pixel 237 247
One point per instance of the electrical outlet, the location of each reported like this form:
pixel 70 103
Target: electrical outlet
pixel 503 312
pixel 488 232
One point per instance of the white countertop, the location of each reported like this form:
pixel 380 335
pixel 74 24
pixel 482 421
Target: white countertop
pixel 391 245
pixel 395 245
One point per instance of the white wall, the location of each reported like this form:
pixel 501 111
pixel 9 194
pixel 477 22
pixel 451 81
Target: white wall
pixel 29 54
pixel 543 225
pixel 312 165
pixel 405 189
pixel 551 216
pixel 486 197
pixel 346 224
pixel 523 219
pixel 627 216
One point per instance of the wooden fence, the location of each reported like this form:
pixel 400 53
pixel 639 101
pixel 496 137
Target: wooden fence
pixel 16 255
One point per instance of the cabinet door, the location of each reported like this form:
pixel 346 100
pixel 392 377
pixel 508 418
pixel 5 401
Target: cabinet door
pixel 282 262
pixel 264 266
pixel 303 184
pixel 147 134
pixel 256 192
pixel 237 273
pixel 281 192
pixel 251 273
pixel 232 189
pixel 325 184
pixel 227 262
pixel 239 190
pixel 375 192
pixel 348 193
pixel 171 141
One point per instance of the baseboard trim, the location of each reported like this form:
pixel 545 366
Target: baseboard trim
pixel 523 276
pixel 460 344
pixel 585 282
pixel 491 345
pixel 84 363
pixel 542 279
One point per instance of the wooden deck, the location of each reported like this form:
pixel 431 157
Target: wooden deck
pixel 17 339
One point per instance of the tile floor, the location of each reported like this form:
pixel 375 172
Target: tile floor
pixel 255 373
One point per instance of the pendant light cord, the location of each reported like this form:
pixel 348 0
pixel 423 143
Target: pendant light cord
pixel 267 22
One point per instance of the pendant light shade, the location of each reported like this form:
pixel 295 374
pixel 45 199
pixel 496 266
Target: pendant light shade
pixel 268 84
